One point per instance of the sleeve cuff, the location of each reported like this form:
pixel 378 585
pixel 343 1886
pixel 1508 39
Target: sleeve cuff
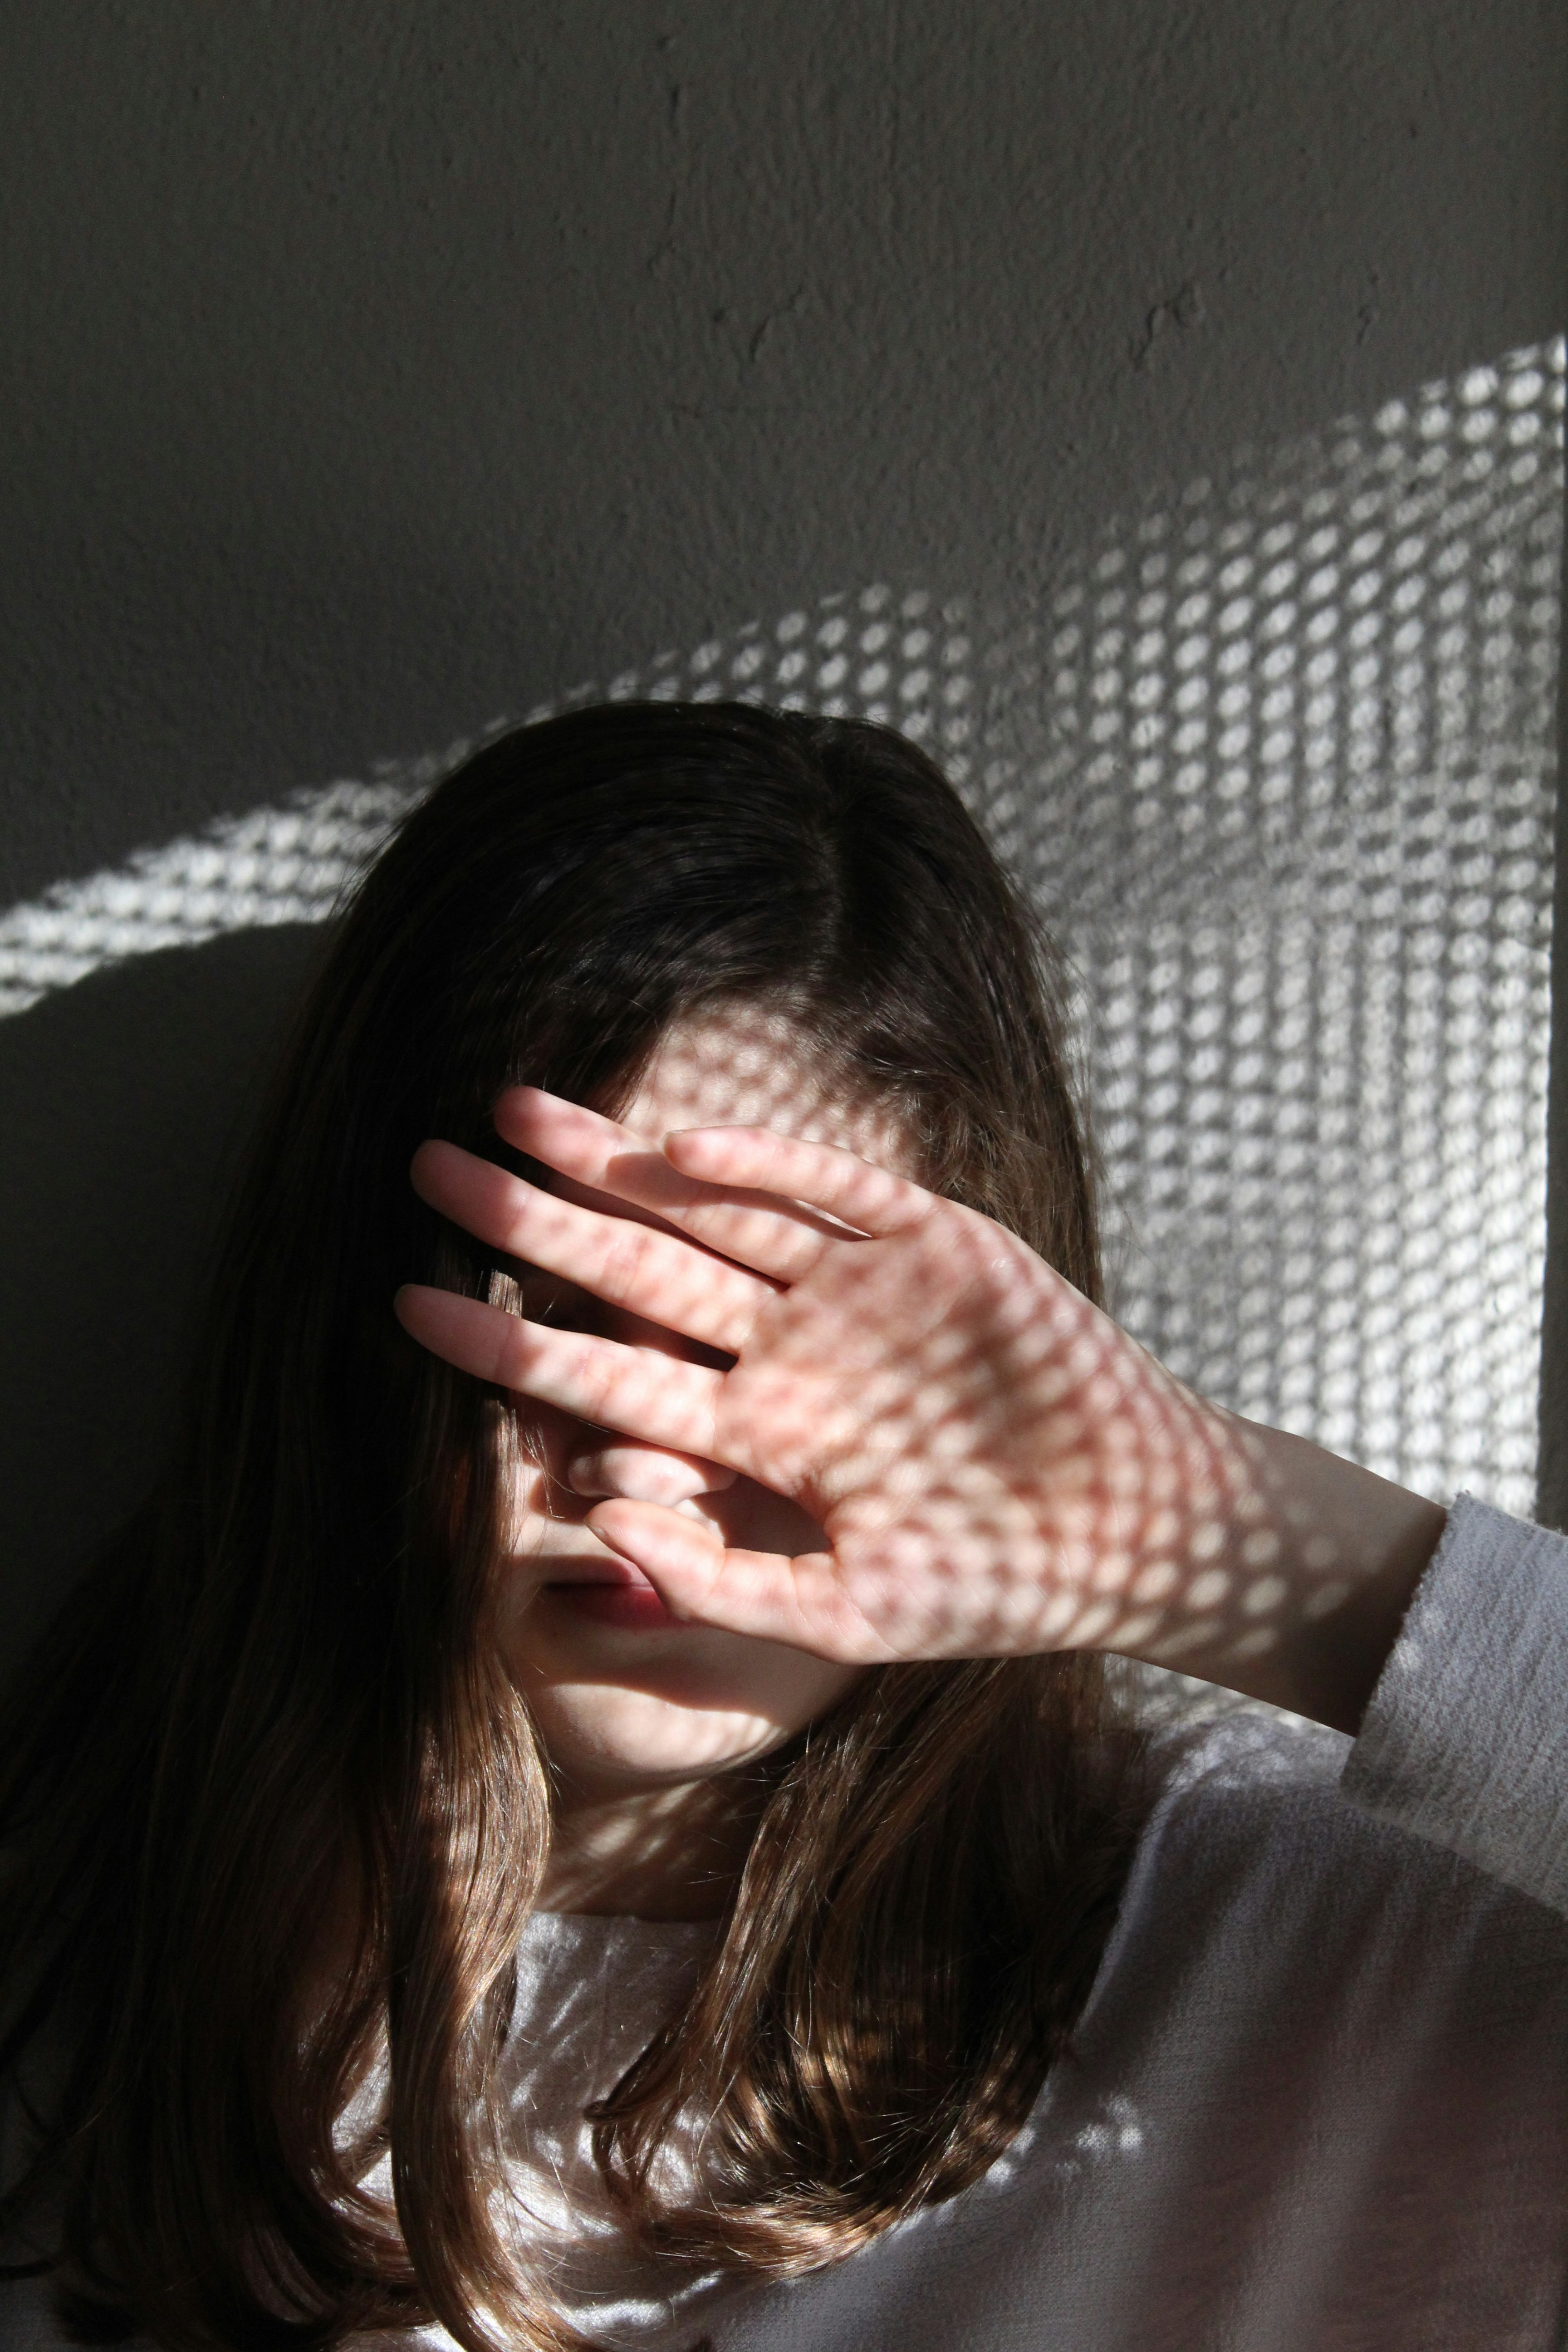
pixel 1464 1740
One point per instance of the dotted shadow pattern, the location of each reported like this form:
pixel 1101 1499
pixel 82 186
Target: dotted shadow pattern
pixel 1276 761
pixel 1279 765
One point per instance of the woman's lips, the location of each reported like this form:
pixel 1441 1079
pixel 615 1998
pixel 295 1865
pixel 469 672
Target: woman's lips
pixel 612 1598
pixel 635 1606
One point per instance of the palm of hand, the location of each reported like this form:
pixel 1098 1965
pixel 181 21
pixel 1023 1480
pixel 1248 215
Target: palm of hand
pixel 922 1395
pixel 996 1466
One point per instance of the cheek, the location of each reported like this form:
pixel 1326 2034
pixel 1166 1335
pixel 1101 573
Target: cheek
pixel 531 1485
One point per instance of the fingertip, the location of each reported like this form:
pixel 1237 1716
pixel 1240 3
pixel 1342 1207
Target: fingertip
pixel 426 1161
pixel 526 1098
pixel 669 1549
pixel 686 1146
pixel 518 1112
pixel 550 1127
pixel 604 1521
pixel 405 1306
pixel 518 1099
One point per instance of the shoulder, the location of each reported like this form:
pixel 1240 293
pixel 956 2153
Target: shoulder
pixel 1243 1795
pixel 1252 1843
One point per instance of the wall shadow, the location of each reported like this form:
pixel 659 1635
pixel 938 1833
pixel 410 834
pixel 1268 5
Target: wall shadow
pixel 127 1100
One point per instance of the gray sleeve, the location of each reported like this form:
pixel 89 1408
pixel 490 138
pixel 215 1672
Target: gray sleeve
pixel 1466 1738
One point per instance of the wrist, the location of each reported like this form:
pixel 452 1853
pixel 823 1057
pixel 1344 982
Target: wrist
pixel 1318 1559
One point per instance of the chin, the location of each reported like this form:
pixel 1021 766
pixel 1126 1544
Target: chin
pixel 654 1707
pixel 607 1735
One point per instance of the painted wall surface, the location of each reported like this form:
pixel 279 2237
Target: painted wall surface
pixel 373 374
pixel 372 367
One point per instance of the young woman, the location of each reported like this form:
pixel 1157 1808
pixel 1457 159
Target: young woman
pixel 592 1806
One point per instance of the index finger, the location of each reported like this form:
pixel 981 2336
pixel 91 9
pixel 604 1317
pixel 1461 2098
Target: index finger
pixel 638 1391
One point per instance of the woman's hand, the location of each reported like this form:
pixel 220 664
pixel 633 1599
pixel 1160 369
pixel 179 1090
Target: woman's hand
pixel 998 1468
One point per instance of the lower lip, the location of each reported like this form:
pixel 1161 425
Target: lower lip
pixel 635 1606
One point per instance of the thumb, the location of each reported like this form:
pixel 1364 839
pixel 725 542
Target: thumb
pixel 764 1594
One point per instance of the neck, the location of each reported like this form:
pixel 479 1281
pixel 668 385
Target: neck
pixel 670 1851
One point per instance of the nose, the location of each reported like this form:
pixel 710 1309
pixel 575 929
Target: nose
pixel 601 1466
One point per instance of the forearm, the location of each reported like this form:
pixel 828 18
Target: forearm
pixel 1321 1558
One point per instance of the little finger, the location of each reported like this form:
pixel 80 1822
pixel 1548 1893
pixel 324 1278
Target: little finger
pixel 774 1237
pixel 871 1200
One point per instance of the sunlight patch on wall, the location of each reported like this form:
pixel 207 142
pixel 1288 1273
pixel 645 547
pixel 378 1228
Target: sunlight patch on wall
pixel 903 660
pixel 1279 765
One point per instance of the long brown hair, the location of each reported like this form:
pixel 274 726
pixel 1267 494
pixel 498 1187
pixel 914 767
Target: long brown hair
pixel 273 1703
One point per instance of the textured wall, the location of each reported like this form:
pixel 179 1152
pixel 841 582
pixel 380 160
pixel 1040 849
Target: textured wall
pixel 371 374
pixel 372 367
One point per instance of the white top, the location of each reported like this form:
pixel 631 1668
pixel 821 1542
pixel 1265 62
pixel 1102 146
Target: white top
pixel 1321 2095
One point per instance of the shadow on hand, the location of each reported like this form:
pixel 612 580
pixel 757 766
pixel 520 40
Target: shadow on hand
pixel 125 1102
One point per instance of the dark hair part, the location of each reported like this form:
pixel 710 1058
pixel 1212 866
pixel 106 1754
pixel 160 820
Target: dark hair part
pixel 273 1703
